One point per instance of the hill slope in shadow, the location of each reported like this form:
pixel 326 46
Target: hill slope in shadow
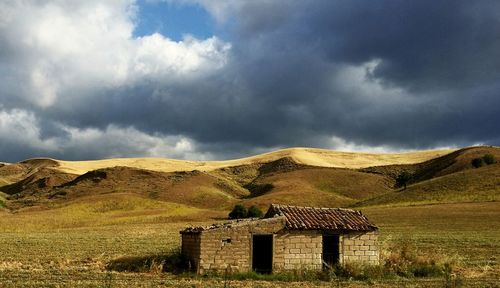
pixel 260 180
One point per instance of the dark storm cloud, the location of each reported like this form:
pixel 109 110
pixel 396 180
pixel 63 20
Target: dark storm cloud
pixel 443 56
pixel 396 74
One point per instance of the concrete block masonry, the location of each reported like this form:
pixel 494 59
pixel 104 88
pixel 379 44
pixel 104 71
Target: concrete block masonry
pixel 292 250
pixel 360 247
pixel 288 238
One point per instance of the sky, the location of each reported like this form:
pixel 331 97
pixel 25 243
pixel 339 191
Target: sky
pixel 201 79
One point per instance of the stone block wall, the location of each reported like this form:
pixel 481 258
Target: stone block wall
pixel 226 249
pixel 359 247
pixel 297 250
pixel 231 247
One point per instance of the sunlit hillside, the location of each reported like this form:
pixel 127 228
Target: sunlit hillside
pixel 306 156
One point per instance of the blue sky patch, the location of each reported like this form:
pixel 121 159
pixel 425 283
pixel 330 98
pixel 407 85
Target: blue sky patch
pixel 173 20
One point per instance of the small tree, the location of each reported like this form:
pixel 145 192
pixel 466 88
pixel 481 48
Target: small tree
pixel 403 179
pixel 254 211
pixel 477 162
pixel 489 159
pixel 239 211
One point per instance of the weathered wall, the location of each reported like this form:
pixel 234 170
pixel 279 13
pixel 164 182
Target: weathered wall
pixel 230 247
pixel 359 247
pixel 297 250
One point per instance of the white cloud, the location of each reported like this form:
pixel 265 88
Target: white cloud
pixel 341 144
pixel 20 128
pixel 65 46
pixel 129 142
pixel 358 80
pixel 159 57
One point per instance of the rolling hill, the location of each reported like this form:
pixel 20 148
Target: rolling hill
pixel 305 156
pixel 300 176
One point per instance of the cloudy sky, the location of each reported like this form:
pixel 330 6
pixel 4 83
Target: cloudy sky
pixel 201 79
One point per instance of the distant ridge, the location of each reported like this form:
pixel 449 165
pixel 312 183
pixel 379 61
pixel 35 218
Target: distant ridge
pixel 295 176
pixel 306 156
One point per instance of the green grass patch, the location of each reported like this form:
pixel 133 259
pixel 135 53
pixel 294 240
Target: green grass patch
pixel 113 209
pixel 473 185
pixel 285 276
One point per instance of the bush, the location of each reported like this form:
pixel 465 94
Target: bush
pixel 403 179
pixel 477 162
pixel 239 211
pixel 489 159
pixel 402 258
pixel 253 211
pixel 426 270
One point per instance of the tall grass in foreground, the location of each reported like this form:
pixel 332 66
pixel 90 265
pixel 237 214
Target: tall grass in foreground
pixel 400 259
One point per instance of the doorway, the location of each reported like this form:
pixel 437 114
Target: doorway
pixel 330 250
pixel 262 253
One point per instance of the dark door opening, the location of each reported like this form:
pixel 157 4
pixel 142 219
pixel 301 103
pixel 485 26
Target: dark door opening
pixel 262 253
pixel 330 250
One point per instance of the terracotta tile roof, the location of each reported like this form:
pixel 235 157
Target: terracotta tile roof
pixel 313 218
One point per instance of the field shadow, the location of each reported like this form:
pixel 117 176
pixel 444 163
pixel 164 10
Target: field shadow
pixel 172 262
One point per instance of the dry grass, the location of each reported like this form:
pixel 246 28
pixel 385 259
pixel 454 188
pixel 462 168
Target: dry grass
pixel 468 232
pixel 38 251
pixel 319 187
pixel 102 210
pixel 307 156
pixel 71 243
pixel 472 185
pixel 4 182
pixel 197 189
pixel 2 200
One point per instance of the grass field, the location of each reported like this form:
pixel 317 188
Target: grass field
pixel 55 233
pixel 473 185
pixel 76 253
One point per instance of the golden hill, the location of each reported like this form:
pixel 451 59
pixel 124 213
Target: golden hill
pixel 446 179
pixel 472 185
pixel 305 156
pixel 299 176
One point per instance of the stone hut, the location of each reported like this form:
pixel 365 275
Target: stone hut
pixel 287 238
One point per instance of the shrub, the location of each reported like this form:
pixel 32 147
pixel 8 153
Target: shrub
pixel 477 162
pixel 402 258
pixel 452 279
pixel 254 211
pixel 489 159
pixel 239 211
pixel 426 270
pixel 403 179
